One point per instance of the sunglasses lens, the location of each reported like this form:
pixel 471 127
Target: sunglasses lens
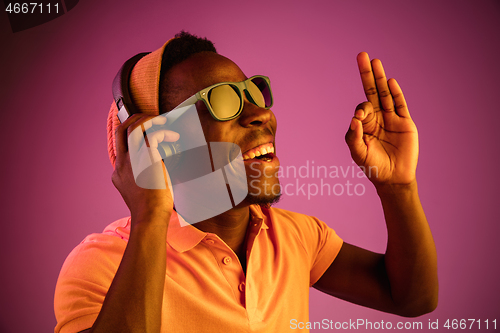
pixel 256 94
pixel 225 101
pixel 262 94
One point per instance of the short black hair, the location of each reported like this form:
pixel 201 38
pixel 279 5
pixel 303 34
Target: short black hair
pixel 178 50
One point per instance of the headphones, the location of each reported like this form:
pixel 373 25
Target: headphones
pixel 169 151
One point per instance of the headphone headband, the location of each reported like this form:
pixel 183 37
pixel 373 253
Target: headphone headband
pixel 120 87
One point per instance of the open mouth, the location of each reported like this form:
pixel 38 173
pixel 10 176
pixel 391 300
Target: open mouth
pixel 263 152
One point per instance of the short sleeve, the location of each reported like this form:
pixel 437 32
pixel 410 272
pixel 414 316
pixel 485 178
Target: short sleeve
pixel 323 249
pixel 319 241
pixel 84 280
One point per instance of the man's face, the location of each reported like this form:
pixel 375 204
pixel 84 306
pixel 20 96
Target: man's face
pixel 254 129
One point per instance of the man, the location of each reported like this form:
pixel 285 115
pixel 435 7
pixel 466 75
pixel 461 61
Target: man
pixel 249 268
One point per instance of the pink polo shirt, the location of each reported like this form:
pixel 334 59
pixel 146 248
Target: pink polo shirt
pixel 206 289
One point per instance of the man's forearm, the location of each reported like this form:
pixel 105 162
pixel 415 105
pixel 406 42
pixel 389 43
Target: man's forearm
pixel 410 259
pixel 134 300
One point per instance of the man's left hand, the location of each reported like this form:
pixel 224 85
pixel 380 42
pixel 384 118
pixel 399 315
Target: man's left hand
pixel 382 137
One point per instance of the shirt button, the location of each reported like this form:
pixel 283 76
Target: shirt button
pixel 255 224
pixel 210 241
pixel 241 287
pixel 226 260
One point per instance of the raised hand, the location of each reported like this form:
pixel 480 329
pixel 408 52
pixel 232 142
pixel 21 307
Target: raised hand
pixel 382 137
pixel 139 174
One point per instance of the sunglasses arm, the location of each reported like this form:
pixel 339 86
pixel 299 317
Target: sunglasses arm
pixel 191 100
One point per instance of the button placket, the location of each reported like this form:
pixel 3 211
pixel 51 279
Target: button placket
pixel 226 259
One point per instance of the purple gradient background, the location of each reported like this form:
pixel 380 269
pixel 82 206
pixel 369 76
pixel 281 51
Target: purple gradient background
pixel 55 173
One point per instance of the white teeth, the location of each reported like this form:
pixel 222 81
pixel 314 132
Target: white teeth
pixel 259 152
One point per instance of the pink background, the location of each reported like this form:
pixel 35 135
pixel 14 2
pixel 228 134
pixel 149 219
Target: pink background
pixel 56 91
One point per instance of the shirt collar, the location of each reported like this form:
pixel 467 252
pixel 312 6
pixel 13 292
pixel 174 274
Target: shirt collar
pixel 258 216
pixel 182 236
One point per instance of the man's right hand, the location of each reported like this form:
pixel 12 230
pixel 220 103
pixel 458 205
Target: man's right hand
pixel 134 152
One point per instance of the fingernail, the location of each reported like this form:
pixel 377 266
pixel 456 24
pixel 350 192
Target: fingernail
pixel 353 122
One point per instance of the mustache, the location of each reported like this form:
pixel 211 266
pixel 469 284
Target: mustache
pixel 256 135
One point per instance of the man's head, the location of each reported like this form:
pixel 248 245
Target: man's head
pixel 254 127
pixel 190 64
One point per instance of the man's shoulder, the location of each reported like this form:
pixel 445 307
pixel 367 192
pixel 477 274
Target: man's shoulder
pixel 107 246
pixel 286 214
pixel 119 228
pixel 114 235
pixel 316 238
pixel 290 218
pixel 303 226
pixel 87 273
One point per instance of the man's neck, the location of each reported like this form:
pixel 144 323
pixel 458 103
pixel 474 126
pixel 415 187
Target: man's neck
pixel 231 227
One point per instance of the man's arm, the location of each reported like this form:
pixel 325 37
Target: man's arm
pixel 401 281
pixel 384 142
pixel 133 302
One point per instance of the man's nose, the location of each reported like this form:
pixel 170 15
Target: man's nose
pixel 253 115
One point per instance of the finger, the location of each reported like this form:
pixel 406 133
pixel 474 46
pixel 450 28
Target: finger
pixel 384 93
pixel 143 145
pixel 121 135
pixel 136 137
pixel 156 121
pixel 154 138
pixel 368 80
pixel 137 130
pixel 146 121
pixel 355 142
pixel 399 99
pixel 364 112
pixel 146 161
pixel 360 113
pixel 148 168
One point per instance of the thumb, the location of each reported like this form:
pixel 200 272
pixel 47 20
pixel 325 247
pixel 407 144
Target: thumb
pixel 355 142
